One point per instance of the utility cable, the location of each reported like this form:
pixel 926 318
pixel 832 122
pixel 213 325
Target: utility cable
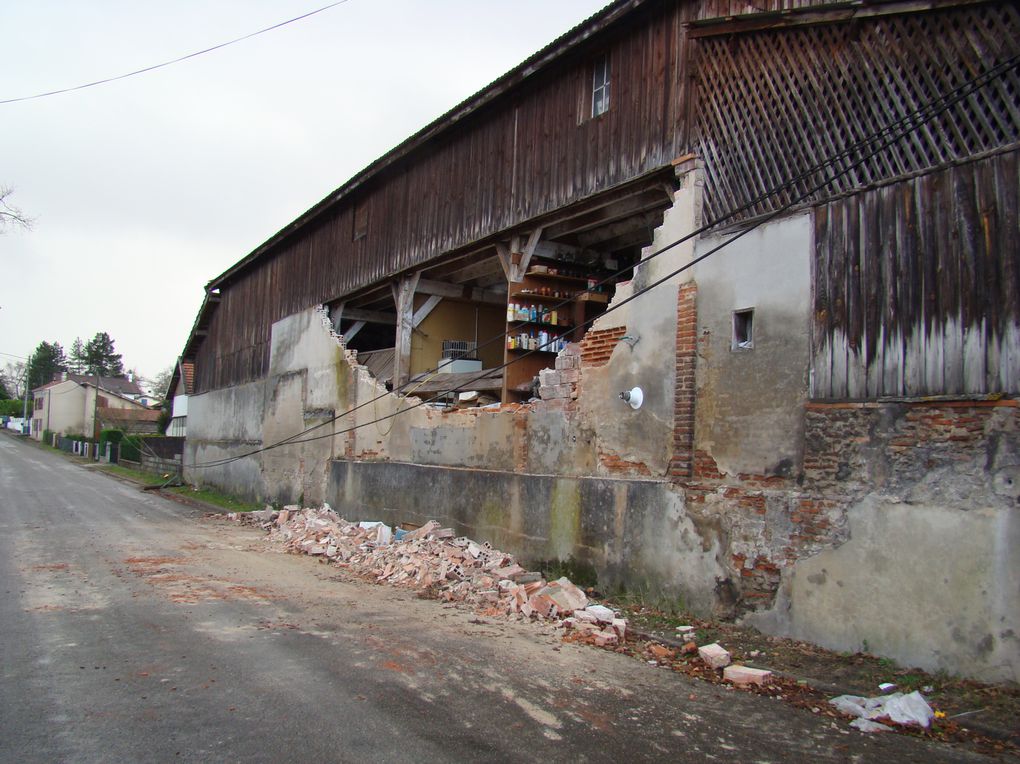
pixel 950 100
pixel 909 123
pixel 175 60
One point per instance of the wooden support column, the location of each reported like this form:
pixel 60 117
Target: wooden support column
pixel 515 258
pixel 403 296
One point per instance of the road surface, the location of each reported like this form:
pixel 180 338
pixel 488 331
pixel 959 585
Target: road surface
pixel 137 629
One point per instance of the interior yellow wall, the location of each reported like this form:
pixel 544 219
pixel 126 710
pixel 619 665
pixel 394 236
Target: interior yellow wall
pixel 452 320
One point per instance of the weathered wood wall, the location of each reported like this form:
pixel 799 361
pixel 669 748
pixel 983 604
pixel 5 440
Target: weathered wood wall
pixel 774 103
pixel 758 106
pixel 917 286
pixel 528 153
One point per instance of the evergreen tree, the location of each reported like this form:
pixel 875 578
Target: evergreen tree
pixel 100 358
pixel 77 362
pixel 46 362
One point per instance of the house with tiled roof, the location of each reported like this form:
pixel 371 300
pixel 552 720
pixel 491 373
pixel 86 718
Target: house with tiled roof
pixel 77 404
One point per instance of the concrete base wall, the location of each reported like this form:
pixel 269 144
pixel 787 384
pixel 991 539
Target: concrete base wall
pixel 635 533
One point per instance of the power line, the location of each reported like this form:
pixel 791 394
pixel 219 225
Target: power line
pixel 904 125
pixel 921 116
pixel 175 60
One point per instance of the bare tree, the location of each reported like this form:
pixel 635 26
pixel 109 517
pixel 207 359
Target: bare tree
pixel 10 216
pixel 160 384
pixel 14 378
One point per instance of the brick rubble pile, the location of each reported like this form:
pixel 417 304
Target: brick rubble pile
pixel 431 558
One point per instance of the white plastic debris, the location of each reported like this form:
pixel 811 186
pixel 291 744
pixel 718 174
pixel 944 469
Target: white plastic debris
pixel 899 708
pixel 909 709
pixel 866 725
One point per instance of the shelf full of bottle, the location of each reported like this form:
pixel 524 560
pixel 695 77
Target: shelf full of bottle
pixel 528 327
pixel 541 340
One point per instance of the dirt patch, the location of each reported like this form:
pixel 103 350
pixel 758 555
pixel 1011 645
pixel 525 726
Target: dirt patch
pixel 51 567
pixel 961 700
pixel 152 562
pixel 164 574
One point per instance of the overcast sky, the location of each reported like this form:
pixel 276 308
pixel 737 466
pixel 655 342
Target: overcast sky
pixel 144 189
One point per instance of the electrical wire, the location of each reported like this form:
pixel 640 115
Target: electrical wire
pixel 950 99
pixel 908 123
pixel 175 60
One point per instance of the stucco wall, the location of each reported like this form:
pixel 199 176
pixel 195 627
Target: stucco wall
pixel 225 424
pixel 63 409
pixel 928 572
pixel 750 401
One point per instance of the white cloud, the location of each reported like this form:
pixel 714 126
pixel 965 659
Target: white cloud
pixel 145 189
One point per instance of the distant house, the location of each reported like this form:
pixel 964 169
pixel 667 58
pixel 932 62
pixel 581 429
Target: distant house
pixel 181 386
pixel 75 404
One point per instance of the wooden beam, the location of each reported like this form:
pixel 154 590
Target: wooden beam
pixel 478 270
pixel 370 316
pixel 335 315
pixel 516 257
pixel 460 292
pixel 427 307
pixel 529 251
pixel 644 223
pixel 350 333
pixel 654 199
pixel 503 253
pixel 403 296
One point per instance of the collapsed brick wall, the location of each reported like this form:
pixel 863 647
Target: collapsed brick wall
pixel 598 344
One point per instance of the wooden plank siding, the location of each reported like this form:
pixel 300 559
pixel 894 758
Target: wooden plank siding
pixel 531 152
pixel 917 286
pixel 758 107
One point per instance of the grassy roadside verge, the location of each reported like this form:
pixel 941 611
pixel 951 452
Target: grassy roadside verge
pixel 214 499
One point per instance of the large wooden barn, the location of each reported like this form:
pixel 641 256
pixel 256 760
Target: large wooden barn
pixel 792 226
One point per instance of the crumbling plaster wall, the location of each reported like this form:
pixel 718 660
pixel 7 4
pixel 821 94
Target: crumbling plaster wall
pixel 224 424
pixel 750 400
pixel 929 573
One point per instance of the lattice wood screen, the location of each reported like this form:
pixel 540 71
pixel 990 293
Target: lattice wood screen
pixel 773 103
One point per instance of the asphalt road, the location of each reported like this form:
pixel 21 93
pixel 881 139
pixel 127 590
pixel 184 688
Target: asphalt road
pixel 136 629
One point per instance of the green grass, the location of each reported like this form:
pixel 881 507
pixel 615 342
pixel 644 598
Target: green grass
pixel 225 501
pixel 147 478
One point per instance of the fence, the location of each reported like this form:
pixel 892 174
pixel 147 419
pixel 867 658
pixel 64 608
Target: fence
pixel 163 455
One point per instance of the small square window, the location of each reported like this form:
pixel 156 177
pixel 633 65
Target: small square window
pixel 360 224
pixel 743 329
pixel 600 87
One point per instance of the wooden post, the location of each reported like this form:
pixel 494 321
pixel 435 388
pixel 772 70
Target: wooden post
pixel 403 296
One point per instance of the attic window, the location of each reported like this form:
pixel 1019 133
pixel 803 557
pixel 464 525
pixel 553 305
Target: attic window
pixel 360 228
pixel 743 329
pixel 600 87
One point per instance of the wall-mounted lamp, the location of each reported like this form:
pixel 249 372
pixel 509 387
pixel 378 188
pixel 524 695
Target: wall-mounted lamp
pixel 635 397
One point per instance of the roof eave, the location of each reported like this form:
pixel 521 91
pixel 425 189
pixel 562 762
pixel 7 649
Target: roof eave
pixel 530 67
